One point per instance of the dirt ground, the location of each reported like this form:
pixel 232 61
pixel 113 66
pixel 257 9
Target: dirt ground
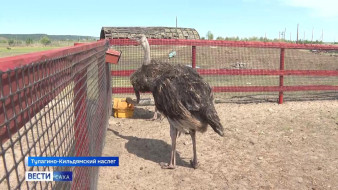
pixel 266 146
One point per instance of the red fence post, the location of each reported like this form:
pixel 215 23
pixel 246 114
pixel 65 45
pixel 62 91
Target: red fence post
pixel 193 57
pixel 281 77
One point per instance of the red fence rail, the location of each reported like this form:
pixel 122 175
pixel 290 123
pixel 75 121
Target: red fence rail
pixel 281 72
pixel 247 72
pixel 180 42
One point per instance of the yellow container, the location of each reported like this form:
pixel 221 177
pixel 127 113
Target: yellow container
pixel 122 109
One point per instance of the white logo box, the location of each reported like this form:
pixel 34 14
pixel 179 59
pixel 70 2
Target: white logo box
pixel 39 176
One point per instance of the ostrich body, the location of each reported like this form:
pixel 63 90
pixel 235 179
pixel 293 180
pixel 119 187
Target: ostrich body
pixel 143 79
pixel 183 97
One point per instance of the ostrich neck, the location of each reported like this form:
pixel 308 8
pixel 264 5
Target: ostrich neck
pixel 146 54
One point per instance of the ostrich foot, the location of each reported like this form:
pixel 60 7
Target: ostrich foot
pixel 193 164
pixel 166 165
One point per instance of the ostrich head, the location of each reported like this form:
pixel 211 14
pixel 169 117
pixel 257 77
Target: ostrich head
pixel 142 40
pixel 141 81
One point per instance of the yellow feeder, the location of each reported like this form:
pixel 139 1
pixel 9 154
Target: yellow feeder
pixel 122 109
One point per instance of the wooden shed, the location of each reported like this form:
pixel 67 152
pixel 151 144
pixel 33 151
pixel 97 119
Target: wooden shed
pixel 150 32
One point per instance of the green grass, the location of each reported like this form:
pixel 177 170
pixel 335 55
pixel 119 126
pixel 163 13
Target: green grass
pixel 6 50
pixel 12 51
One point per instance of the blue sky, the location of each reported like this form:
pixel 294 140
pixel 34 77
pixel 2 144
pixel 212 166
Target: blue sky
pixel 242 18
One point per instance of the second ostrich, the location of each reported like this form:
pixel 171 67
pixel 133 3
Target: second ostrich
pixel 183 97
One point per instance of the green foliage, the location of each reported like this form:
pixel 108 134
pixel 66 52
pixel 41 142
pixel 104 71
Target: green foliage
pixel 210 36
pixel 19 42
pixel 29 41
pixel 3 41
pixel 232 38
pixel 10 42
pixel 309 42
pixel 263 39
pixel 254 38
pixel 45 41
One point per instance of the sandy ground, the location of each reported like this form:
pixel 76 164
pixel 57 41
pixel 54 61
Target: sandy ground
pixel 266 146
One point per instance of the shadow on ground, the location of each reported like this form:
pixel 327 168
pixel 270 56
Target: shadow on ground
pixel 141 113
pixel 150 149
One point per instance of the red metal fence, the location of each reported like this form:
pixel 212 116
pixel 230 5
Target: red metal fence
pixel 53 103
pixel 266 59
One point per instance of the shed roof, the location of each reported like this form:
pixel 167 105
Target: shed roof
pixel 150 32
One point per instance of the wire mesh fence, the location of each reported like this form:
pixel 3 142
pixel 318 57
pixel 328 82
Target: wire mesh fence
pixel 241 71
pixel 56 106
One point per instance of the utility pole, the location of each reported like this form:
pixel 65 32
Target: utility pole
pixel 279 36
pixel 312 35
pixel 322 34
pixel 290 36
pixel 297 32
pixel 176 28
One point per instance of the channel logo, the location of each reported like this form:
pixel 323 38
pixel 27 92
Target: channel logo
pixel 49 176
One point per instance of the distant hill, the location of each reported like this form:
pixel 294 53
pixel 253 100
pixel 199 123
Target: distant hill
pixel 36 37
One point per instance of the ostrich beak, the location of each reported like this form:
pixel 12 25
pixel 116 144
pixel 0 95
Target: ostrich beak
pixel 131 101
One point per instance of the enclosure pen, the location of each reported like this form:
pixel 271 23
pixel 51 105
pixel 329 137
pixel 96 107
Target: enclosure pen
pixel 58 102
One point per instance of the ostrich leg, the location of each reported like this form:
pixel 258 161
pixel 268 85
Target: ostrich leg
pixel 172 163
pixel 194 162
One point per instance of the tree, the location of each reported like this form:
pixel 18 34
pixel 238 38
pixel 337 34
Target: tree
pixel 29 41
pixel 254 38
pixel 219 38
pixel 210 36
pixel 45 40
pixel 10 42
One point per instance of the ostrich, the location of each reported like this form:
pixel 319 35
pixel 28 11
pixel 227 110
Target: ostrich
pixel 182 96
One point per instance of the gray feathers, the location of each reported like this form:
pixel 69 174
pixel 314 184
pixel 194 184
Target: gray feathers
pixel 180 94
